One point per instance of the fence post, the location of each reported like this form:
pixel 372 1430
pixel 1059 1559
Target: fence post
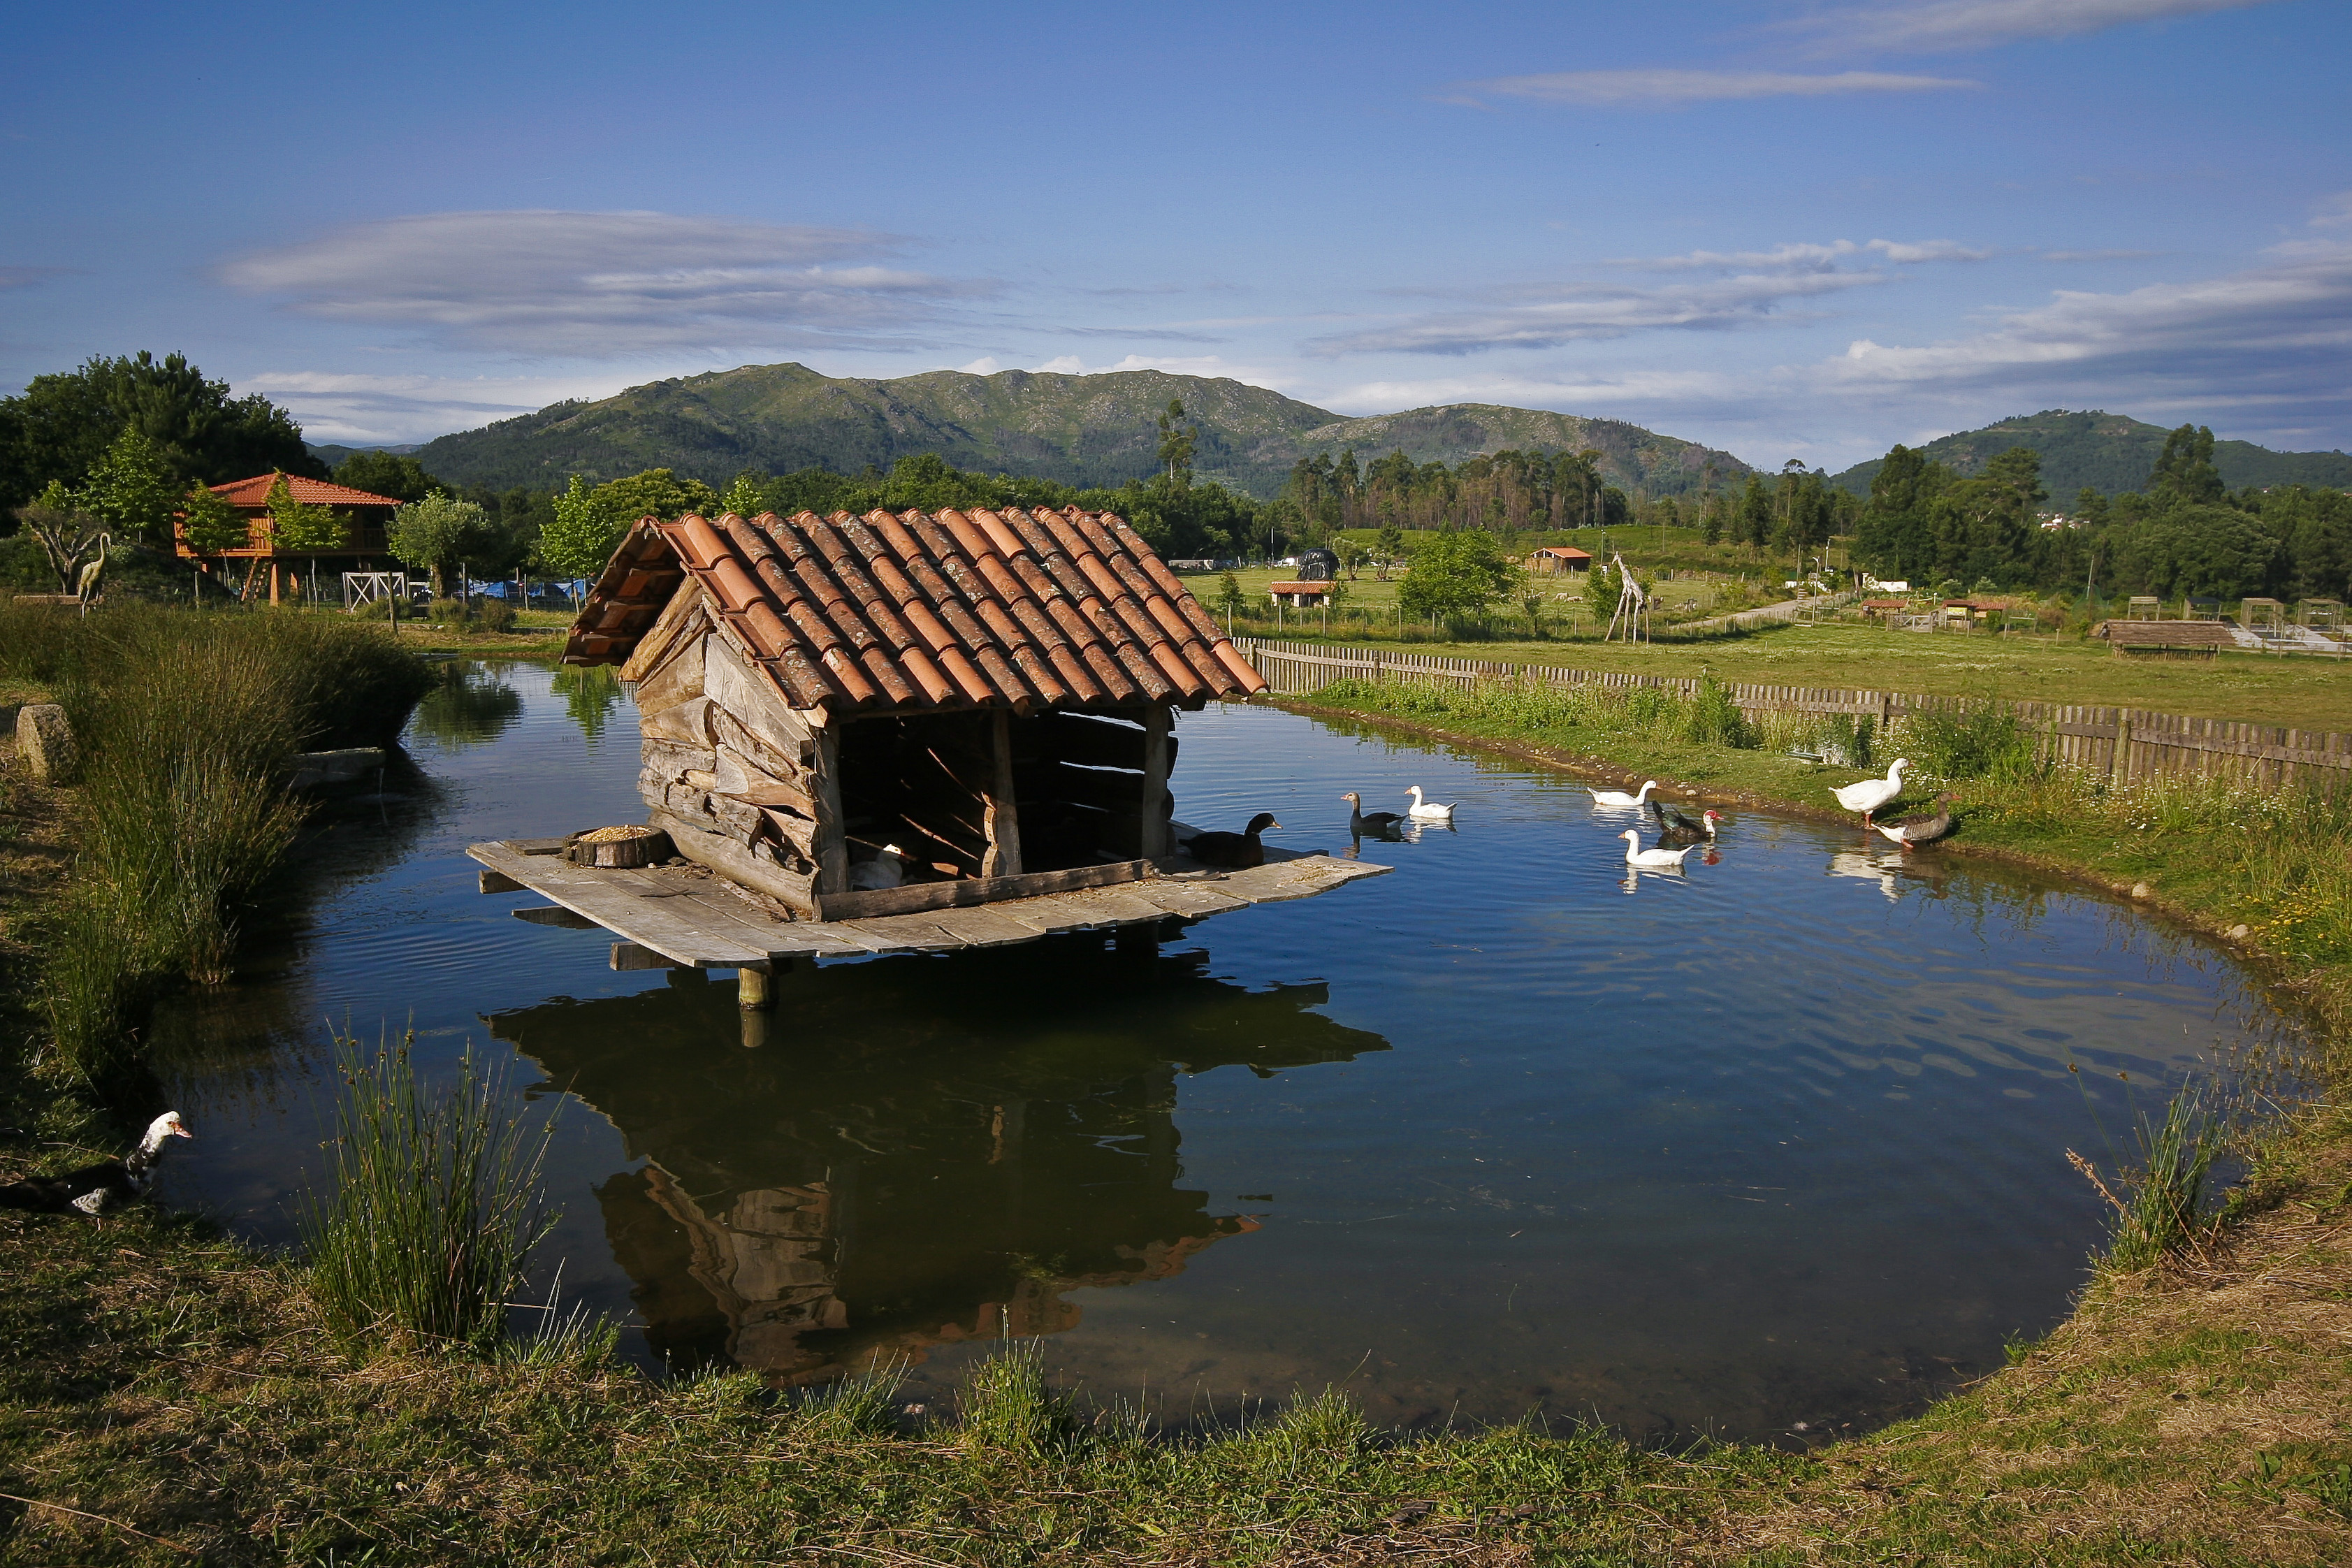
pixel 2119 764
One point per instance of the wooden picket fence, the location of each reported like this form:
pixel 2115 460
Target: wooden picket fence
pixel 2123 744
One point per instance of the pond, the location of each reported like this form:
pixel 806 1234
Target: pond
pixel 1780 1139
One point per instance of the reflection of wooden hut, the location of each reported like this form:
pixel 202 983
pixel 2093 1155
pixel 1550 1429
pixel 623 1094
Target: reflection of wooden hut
pixel 991 693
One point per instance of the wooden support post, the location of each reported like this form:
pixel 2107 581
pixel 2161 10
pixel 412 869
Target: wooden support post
pixel 1151 834
pixel 500 882
pixel 273 583
pixel 1003 816
pixel 753 990
pixel 2119 764
pixel 630 955
pixel 829 848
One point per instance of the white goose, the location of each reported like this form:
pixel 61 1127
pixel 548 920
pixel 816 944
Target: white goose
pixel 1652 859
pixel 1428 810
pixel 1618 797
pixel 1869 795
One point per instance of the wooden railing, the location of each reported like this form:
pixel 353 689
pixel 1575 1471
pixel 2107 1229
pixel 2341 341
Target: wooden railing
pixel 2123 743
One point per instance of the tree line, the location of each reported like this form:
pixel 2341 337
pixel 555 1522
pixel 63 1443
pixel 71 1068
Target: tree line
pixel 2182 532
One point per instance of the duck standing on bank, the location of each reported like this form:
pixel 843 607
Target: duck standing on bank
pixel 1427 810
pixel 1870 795
pixel 1652 859
pixel 1363 824
pixel 1236 852
pixel 94 1189
pixel 1618 797
pixel 1924 828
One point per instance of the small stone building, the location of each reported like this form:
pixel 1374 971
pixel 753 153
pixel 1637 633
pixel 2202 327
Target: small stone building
pixel 990 693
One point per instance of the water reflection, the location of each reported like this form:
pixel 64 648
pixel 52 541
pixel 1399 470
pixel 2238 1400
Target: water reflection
pixel 474 705
pixel 590 693
pixel 908 1165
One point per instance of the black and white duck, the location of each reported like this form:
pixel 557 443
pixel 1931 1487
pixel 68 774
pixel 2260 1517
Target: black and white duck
pixel 1365 824
pixel 94 1189
pixel 1238 851
pixel 1924 828
pixel 1679 826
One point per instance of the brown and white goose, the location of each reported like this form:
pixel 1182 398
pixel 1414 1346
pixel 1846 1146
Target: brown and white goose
pixel 1923 828
pixel 95 1189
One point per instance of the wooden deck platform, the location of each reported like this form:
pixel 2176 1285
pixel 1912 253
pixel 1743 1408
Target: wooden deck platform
pixel 688 917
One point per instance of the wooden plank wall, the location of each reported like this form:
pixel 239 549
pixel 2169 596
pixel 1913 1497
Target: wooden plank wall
pixel 2124 743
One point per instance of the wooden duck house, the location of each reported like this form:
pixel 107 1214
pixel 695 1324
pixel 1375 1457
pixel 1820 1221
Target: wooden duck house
pixel 973 705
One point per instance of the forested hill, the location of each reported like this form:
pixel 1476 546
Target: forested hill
pixel 2110 453
pixel 1077 429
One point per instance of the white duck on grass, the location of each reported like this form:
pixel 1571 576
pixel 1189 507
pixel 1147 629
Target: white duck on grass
pixel 1870 795
pixel 1652 859
pixel 1427 810
pixel 1618 797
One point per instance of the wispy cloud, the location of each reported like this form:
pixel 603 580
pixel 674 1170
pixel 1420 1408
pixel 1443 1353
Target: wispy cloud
pixel 2098 255
pixel 29 277
pixel 1671 89
pixel 365 409
pixel 1549 315
pixel 605 285
pixel 1810 256
pixel 1943 26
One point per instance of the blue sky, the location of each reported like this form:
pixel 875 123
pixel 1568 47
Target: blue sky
pixel 1786 228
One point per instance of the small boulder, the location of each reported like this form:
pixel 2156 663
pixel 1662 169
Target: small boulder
pixel 2239 933
pixel 47 741
pixel 2141 889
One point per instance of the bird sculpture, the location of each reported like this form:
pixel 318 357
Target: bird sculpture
pixel 1239 851
pixel 1676 824
pixel 1427 810
pixel 1618 797
pixel 1651 860
pixel 1924 828
pixel 887 869
pixel 85 585
pixel 1373 824
pixel 1869 795
pixel 95 1189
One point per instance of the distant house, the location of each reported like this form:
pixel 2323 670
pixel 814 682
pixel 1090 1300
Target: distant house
pixel 365 517
pixel 1554 560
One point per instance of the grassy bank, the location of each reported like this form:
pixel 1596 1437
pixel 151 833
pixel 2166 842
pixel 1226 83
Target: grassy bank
pixel 168 1396
pixel 2263 689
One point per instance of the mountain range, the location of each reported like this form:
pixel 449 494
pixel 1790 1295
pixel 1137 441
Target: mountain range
pixel 1100 429
pixel 2110 453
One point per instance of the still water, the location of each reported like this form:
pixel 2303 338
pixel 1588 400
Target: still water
pixel 1780 1139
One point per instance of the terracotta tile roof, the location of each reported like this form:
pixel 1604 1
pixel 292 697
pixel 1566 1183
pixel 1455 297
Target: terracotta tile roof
pixel 254 493
pixel 948 609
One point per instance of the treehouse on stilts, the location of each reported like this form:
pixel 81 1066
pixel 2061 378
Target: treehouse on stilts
pixel 975 710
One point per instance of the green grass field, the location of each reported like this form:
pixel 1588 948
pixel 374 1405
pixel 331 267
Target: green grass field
pixel 2305 693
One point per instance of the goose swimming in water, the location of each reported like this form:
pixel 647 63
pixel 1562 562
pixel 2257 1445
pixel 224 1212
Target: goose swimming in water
pixel 1618 797
pixel 1675 822
pixel 1427 810
pixel 1238 850
pixel 1651 860
pixel 94 1189
pixel 1376 823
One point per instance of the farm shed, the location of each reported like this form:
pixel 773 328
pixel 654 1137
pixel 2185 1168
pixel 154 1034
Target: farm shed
pixel 989 693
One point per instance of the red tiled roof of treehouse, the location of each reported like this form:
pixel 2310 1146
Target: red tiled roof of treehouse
pixel 1025 609
pixel 254 493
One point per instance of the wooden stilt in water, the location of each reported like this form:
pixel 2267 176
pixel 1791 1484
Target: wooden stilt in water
pixel 755 988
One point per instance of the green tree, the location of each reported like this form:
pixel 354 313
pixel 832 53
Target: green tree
pixel 441 534
pixel 300 525
pixel 1455 574
pixel 1230 602
pixel 746 495
pixel 656 492
pixel 1177 440
pixel 388 474
pixel 133 487
pixel 579 539
pixel 1603 585
pixel 213 525
pixel 2184 473
pixel 64 528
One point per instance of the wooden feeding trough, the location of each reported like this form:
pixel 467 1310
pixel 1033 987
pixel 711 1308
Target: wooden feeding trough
pixel 920 730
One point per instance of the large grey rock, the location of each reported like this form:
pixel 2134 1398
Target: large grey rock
pixel 47 744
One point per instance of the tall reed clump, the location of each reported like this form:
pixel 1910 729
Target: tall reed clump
pixel 434 1209
pixel 1975 740
pixel 185 722
pixel 2164 1215
pixel 1569 713
pixel 1007 1409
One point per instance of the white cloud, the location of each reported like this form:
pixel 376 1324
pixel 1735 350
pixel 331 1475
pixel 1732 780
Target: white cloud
pixel 604 285
pixel 371 410
pixel 1801 255
pixel 1666 88
pixel 2097 255
pixel 1946 25
pixel 1549 315
pixel 984 365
